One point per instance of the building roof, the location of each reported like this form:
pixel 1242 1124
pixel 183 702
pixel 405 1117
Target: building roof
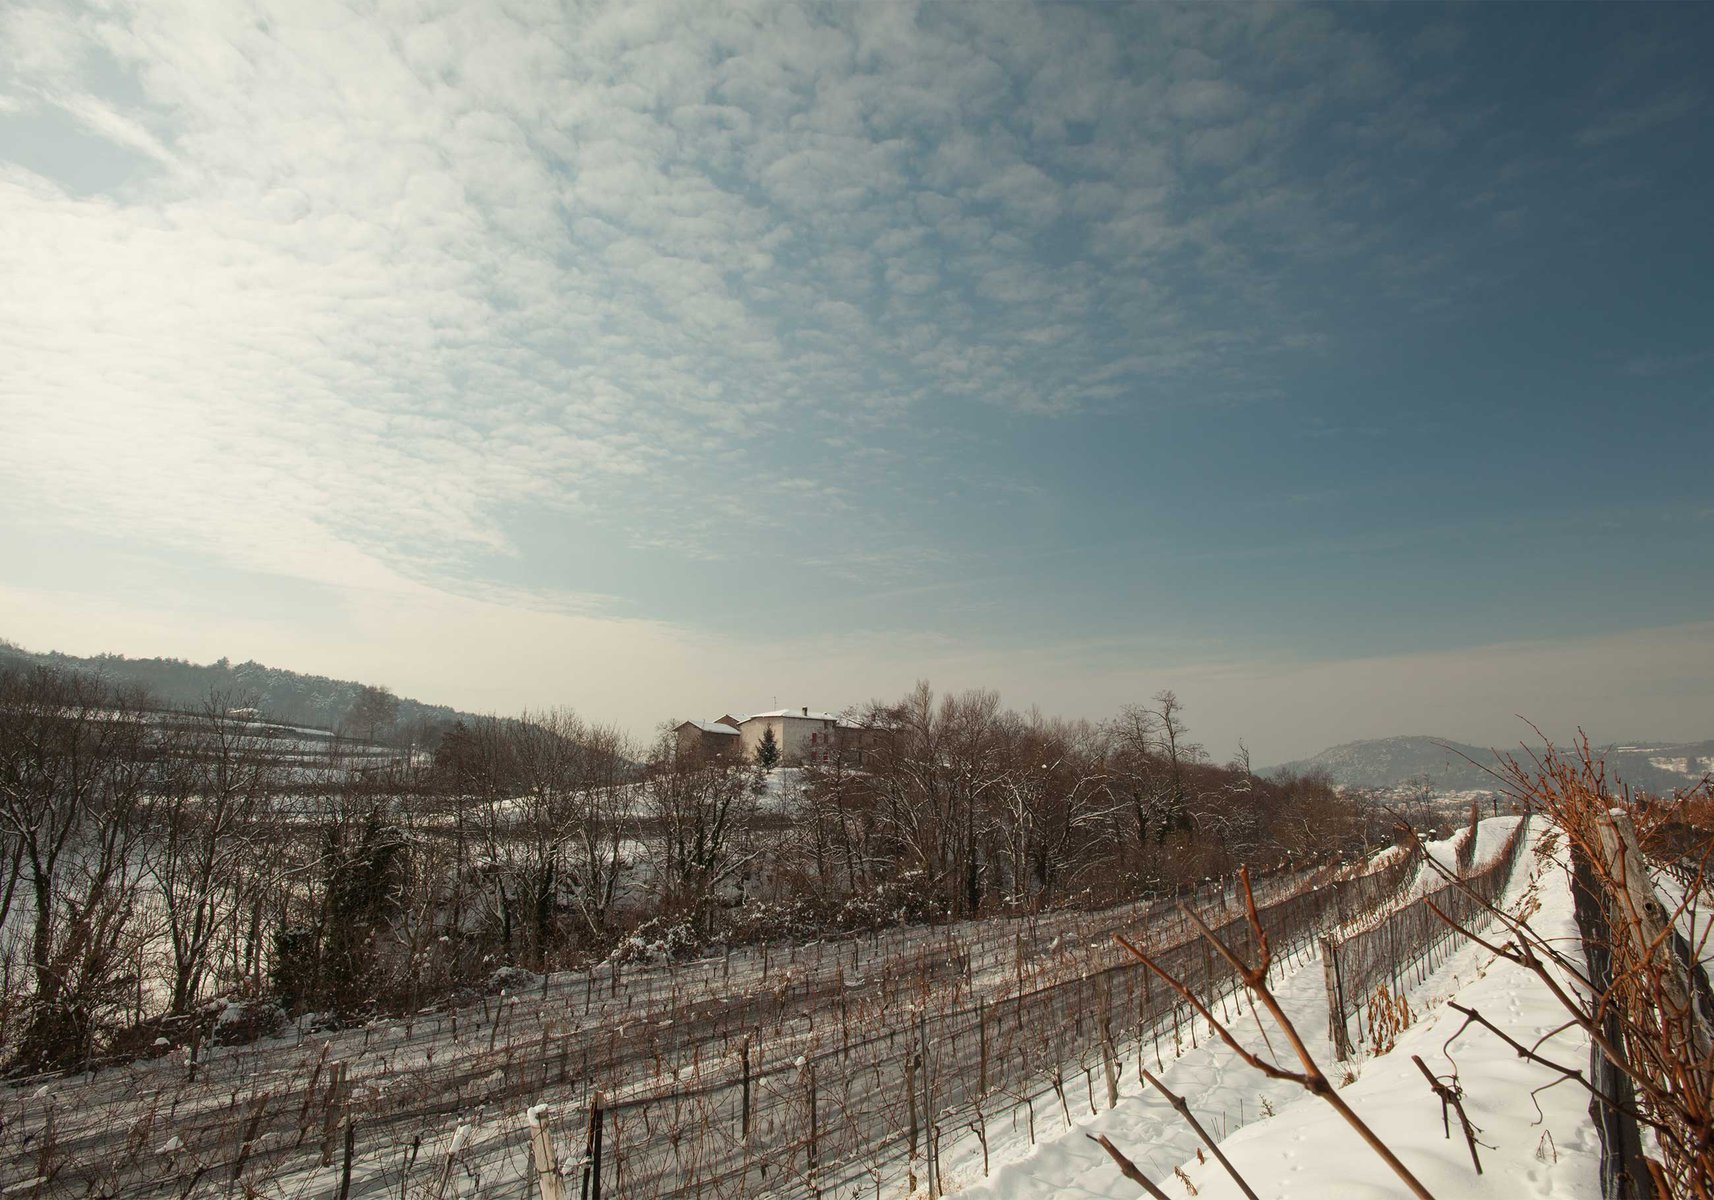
pixel 800 714
pixel 711 727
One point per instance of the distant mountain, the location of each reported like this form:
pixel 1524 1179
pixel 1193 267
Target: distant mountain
pixel 288 697
pixel 1450 766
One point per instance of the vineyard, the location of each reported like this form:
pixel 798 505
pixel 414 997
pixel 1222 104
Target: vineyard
pixel 1367 964
pixel 835 1068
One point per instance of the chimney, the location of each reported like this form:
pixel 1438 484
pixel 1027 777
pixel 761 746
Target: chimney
pixel 806 710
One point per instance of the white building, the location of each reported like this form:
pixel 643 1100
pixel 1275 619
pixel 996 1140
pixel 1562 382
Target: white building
pixel 802 736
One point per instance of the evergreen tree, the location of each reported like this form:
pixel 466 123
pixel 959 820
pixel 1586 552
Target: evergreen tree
pixel 768 750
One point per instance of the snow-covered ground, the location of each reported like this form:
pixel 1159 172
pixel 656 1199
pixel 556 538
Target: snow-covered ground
pixel 417 1082
pixel 1290 1145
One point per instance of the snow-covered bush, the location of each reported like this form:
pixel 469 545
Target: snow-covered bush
pixel 908 898
pixel 657 940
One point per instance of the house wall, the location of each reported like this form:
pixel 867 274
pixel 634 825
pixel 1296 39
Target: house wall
pixel 856 743
pixel 692 740
pixel 801 739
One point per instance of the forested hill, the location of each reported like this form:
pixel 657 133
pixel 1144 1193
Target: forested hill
pixel 289 697
pixel 1449 766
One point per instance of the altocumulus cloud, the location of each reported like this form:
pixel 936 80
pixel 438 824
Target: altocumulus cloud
pixel 398 276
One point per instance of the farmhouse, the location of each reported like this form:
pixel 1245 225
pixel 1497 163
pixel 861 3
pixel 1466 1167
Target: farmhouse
pixel 710 739
pixel 803 736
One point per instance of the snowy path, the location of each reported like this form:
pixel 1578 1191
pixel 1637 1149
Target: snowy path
pixel 1305 1151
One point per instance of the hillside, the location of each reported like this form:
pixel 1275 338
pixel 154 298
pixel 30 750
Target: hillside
pixel 1450 766
pixel 289 697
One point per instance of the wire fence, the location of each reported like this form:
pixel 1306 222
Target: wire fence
pixel 852 1116
pixel 1369 969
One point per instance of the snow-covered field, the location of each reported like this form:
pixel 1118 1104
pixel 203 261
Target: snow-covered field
pixel 411 1084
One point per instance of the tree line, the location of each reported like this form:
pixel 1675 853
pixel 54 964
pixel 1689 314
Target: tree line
pixel 290 697
pixel 171 875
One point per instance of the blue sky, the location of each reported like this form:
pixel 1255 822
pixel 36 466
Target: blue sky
pixel 1346 369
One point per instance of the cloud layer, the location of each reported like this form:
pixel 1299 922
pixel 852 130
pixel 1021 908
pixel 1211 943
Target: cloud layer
pixel 598 315
pixel 402 277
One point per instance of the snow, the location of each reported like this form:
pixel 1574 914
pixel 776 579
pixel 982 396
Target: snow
pixel 1292 1146
pixel 799 713
pixel 1442 852
pixel 1301 1151
pixel 1441 856
pixel 1491 834
pixel 413 1081
pixel 713 727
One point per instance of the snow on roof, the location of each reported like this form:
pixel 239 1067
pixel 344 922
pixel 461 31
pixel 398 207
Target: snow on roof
pixel 711 727
pixel 799 713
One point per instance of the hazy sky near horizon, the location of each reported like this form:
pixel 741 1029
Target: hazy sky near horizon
pixel 1347 369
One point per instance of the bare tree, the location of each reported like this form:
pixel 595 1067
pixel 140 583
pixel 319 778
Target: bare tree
pixel 700 815
pixel 1051 800
pixel 573 804
pixel 935 778
pixel 75 768
pixel 1179 750
pixel 202 854
pixel 608 795
pixel 476 766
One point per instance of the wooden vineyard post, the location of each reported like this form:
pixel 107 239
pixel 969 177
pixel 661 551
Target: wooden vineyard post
pixel 460 1136
pixel 1336 1031
pixel 982 1045
pixel 345 1169
pixel 927 1105
pixel 1108 1066
pixel 1208 984
pixel 744 1090
pixel 1645 922
pixel 542 1148
pixel 592 1151
pixel 331 1109
pixel 809 1088
pixel 911 1097
pixel 257 1107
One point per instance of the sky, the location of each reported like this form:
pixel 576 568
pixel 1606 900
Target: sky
pixel 1347 370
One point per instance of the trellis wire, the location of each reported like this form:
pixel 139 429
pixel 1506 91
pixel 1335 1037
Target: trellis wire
pixel 864 1123
pixel 1406 944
